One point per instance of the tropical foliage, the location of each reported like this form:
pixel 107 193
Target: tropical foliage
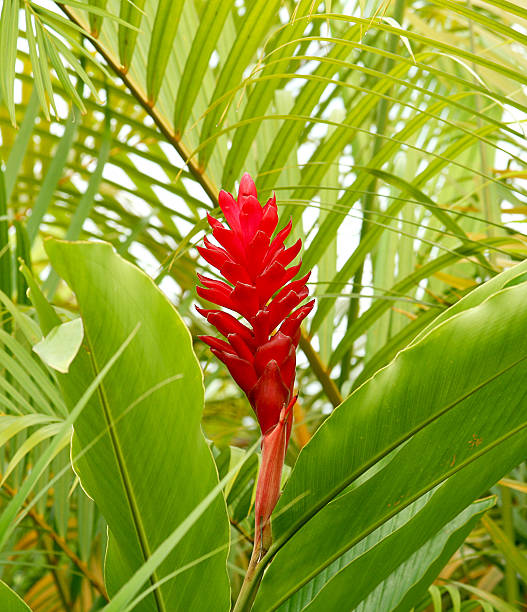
pixel 393 137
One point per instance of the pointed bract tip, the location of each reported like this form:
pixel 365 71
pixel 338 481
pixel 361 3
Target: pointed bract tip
pixel 272 200
pixel 247 186
pixel 309 306
pixel 204 312
pixel 213 222
pixel 286 410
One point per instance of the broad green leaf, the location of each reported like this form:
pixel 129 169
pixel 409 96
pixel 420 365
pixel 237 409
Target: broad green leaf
pixel 11 515
pixel 407 583
pixel 59 348
pixel 396 343
pixel 126 593
pixel 10 601
pixel 413 577
pixel 144 478
pixel 390 545
pixel 452 397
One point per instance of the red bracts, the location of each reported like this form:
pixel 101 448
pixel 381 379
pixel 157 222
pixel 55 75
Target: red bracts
pixel 261 357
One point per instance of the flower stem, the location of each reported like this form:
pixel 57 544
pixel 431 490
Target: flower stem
pixel 250 584
pixel 267 493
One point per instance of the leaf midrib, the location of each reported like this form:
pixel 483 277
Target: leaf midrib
pixel 126 481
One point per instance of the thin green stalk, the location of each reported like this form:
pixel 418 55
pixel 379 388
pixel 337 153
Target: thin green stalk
pixel 320 370
pixel 511 582
pixel 58 574
pixel 250 586
pixel 5 252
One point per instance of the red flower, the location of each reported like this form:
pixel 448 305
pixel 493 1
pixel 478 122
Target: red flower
pixel 260 288
pixel 261 357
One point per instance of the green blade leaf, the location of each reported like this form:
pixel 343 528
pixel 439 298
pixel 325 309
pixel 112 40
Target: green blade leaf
pixel 123 597
pixel 86 201
pixel 244 46
pixel 513 555
pixel 95 19
pixel 262 95
pixel 163 34
pixel 211 23
pixel 23 254
pixel 20 146
pixel 8 40
pixel 403 587
pixel 132 14
pixel 453 398
pixel 53 175
pixel 143 477
pixel 10 601
pixel 5 251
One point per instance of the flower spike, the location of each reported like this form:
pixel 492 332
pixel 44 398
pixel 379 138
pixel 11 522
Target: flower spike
pixel 260 287
pixel 260 356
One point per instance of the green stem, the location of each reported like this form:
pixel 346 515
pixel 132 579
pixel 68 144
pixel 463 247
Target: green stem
pixel 320 370
pixel 250 585
pixel 252 580
pixel 511 582
pixel 267 493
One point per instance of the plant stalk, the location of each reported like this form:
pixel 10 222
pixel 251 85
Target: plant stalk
pixel 511 582
pixel 274 445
